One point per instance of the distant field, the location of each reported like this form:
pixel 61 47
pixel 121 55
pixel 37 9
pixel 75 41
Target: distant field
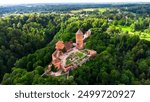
pixel 90 9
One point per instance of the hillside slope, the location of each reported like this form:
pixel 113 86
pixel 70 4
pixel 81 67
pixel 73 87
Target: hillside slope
pixel 121 58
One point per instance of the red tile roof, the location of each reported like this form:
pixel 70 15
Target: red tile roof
pixel 60 45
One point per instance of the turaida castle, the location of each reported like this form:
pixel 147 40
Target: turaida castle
pixel 68 55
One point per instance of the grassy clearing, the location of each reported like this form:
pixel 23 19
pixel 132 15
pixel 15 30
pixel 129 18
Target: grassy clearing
pixel 102 9
pixel 80 10
pixel 145 36
pixel 125 28
pixel 142 35
pixel 89 9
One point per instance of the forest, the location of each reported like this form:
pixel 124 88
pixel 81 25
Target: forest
pixel 120 35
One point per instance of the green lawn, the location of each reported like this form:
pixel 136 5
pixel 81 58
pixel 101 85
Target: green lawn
pixel 74 56
pixel 79 54
pixel 68 61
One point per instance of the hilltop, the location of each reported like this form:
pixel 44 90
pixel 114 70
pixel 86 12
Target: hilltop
pixel 120 36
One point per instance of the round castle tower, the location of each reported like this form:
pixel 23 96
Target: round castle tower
pixel 79 39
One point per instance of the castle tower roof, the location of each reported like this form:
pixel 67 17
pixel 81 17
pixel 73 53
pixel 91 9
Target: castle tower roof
pixel 60 45
pixel 79 32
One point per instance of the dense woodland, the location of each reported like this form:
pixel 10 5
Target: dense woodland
pixel 29 8
pixel 121 37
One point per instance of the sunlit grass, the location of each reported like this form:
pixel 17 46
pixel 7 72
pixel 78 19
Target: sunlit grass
pixel 102 10
pixel 142 35
pixel 145 36
pixel 125 28
pixel 89 9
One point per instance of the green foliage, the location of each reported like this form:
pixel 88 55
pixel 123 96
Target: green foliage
pixel 119 63
pixel 27 43
pixel 21 35
pixel 53 68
